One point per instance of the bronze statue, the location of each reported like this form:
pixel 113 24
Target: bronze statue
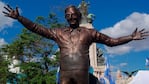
pixel 74 42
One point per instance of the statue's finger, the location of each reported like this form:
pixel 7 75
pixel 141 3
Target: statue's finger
pixel 145 32
pixel 141 30
pixel 17 10
pixel 136 30
pixel 143 38
pixel 145 35
pixel 5 13
pixel 7 9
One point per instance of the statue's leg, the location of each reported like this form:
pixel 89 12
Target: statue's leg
pixel 74 77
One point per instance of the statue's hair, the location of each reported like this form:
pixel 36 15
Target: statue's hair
pixel 75 8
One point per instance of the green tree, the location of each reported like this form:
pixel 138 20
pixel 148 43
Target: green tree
pixel 36 46
pixel 3 67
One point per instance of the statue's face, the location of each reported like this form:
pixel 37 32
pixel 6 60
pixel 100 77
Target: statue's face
pixel 72 17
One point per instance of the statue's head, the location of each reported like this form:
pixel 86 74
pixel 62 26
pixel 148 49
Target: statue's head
pixel 73 16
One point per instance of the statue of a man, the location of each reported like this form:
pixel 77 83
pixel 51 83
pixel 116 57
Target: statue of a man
pixel 74 42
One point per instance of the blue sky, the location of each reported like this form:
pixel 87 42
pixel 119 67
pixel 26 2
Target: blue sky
pixel 113 17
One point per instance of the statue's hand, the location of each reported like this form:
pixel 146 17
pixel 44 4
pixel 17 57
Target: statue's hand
pixel 13 13
pixel 139 35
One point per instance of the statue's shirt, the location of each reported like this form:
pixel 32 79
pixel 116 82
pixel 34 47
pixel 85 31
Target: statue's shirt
pixel 74 45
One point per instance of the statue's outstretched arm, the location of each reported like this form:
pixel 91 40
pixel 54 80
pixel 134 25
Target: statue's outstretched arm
pixel 14 14
pixel 136 35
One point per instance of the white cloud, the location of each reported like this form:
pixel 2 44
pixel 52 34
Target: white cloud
pixel 4 21
pixel 118 49
pixel 2 42
pixel 126 27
